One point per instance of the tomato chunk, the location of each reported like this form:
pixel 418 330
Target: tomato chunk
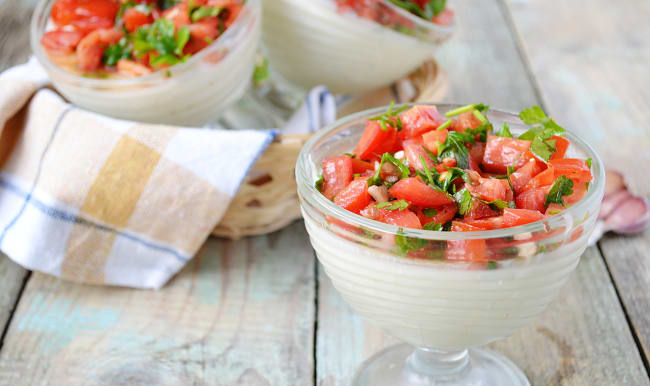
pixel 464 121
pixel 418 120
pixel 442 215
pixel 533 199
pixel 402 218
pixel 466 250
pixel 501 152
pixel 374 141
pixel 355 196
pixel 134 19
pixel 66 12
pixel 418 193
pixel 545 178
pixel 554 209
pixel 415 153
pixel 575 169
pixel 179 14
pixel 487 223
pixel 60 42
pixel 561 146
pixel 514 217
pixel 361 167
pixel 478 209
pixel 432 139
pixel 337 174
pixel 492 189
pixel 524 174
pixel 579 191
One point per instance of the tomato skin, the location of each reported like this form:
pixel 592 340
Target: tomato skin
pixel 579 191
pixel 432 139
pixel 520 177
pixel 479 209
pixel 65 12
pixel 134 19
pixel 418 120
pixel 561 146
pixel 374 141
pixel 445 214
pixel 92 46
pixel 446 164
pixel 402 218
pixel 515 217
pixel 575 169
pixel 501 152
pixel 553 209
pixel 418 193
pixel 533 199
pixel 466 250
pixel 361 167
pixel 355 196
pixel 413 151
pixel 179 14
pixel 60 42
pixel 86 26
pixel 487 223
pixel 545 178
pixel 337 174
pixel 491 189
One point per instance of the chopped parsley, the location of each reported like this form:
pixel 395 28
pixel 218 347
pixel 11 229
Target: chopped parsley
pixel 205 11
pixel 445 125
pixel 407 244
pixel 432 226
pixel 163 42
pixel 261 72
pixel 430 212
pixel 505 131
pixel 464 201
pixel 393 205
pixel 492 265
pixel 319 183
pixel 429 9
pixel 390 117
pixel 540 134
pixel 588 162
pixel 114 52
pixel 376 178
pixel 563 186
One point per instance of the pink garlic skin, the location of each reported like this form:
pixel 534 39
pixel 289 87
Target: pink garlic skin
pixel 631 217
pixel 613 182
pixel 611 202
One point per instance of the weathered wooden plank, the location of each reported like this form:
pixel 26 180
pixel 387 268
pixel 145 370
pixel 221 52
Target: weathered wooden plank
pixel 240 313
pixel 593 76
pixel 583 338
pixel 14 43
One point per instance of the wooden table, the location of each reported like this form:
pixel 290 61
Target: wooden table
pixel 260 310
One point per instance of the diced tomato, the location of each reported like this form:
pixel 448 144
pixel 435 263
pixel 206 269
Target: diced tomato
pixel 561 146
pixel 579 191
pixel 433 138
pixel 65 12
pixel 343 225
pixel 446 164
pixel 60 42
pixel 501 152
pixel 418 193
pixel 491 189
pixel 202 34
pixel 418 120
pixel 487 223
pixel 86 26
pixel 92 46
pixel 179 14
pixel 554 209
pixel 337 174
pixel 361 167
pixel 374 141
pixel 415 153
pixel 515 217
pixel 131 68
pixel 479 209
pixel 443 215
pixel 446 17
pixel 134 19
pixel 464 121
pixel 402 218
pixel 476 151
pixel 532 199
pixel 524 174
pixel 466 250
pixel 355 196
pixel 545 178
pixel 233 12
pixel 575 169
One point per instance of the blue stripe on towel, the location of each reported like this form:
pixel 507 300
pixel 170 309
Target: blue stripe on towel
pixel 71 218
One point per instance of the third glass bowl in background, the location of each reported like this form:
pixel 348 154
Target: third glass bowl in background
pixel 193 93
pixel 442 309
pixel 313 42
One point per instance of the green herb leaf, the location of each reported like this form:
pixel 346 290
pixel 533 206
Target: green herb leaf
pixel 390 117
pixel 161 37
pixel 407 244
pixel 445 125
pixel 430 212
pixel 393 205
pixel 114 52
pixel 505 131
pixel 543 129
pixel 492 265
pixel 588 162
pixel 403 168
pixel 499 204
pixel 319 183
pixel 261 75
pixel 460 110
pixel 431 226
pixel 464 200
pixel 205 11
pixel 563 186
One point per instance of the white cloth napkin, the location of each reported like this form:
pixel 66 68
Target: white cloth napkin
pixel 98 200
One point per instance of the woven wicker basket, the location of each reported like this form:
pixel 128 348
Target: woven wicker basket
pixel 267 200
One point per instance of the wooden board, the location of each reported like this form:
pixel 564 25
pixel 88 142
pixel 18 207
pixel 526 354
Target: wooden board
pixel 594 78
pixel 582 338
pixel 240 313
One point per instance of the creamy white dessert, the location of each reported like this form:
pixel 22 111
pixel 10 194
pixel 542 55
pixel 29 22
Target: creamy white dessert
pixel 433 304
pixel 311 43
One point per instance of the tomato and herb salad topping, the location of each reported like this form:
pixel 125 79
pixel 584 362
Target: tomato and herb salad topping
pixel 416 168
pixel 133 37
pixel 434 11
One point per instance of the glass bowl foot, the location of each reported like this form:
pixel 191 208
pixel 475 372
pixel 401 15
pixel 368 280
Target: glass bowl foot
pixel 404 366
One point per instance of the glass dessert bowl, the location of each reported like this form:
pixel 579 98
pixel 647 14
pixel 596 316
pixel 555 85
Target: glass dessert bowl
pixel 192 93
pixel 443 309
pixel 315 42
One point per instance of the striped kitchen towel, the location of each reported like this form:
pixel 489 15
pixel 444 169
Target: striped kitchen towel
pixel 104 201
